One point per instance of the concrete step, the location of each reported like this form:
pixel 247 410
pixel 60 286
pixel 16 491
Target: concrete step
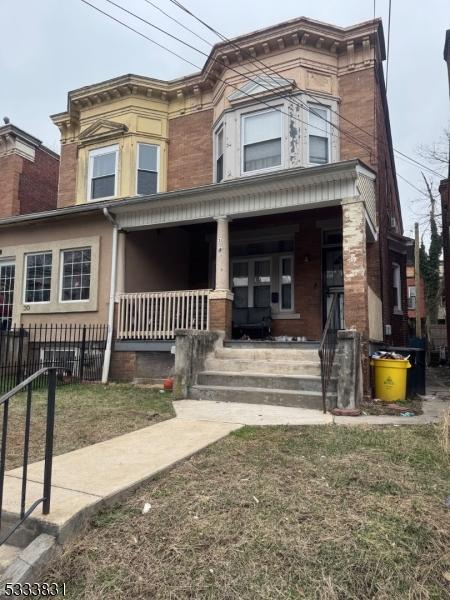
pixel 303 383
pixel 298 354
pixel 7 554
pixel 255 395
pixel 314 344
pixel 269 366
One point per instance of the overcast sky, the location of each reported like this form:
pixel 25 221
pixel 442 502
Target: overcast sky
pixel 49 47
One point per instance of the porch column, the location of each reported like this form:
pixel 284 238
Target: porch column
pixel 220 307
pixel 354 254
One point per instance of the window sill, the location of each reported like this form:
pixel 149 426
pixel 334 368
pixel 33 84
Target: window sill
pixel 288 316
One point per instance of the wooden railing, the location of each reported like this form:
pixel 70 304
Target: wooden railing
pixel 157 315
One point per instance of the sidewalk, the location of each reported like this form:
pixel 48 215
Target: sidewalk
pixel 101 473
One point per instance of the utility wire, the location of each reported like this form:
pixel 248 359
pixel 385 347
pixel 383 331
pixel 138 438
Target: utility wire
pixel 162 46
pixel 225 39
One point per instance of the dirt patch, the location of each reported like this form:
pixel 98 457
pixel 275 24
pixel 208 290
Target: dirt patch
pixel 302 512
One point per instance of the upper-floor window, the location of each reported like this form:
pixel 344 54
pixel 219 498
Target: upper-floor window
pixel 75 274
pixel 319 135
pixel 219 155
pixel 396 287
pixel 103 172
pixel 261 140
pixel 38 277
pixel 147 169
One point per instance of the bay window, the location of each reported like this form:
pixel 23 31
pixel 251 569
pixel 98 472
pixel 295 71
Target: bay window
pixel 147 169
pixel 319 135
pixel 102 181
pixel 261 140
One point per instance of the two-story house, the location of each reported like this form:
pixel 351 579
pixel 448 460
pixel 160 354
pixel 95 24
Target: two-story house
pixel 264 182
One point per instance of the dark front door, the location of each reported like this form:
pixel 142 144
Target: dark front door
pixel 333 281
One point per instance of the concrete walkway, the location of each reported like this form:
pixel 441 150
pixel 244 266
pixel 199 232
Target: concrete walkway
pixel 101 473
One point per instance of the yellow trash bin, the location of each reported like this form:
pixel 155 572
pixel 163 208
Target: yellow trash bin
pixel 390 378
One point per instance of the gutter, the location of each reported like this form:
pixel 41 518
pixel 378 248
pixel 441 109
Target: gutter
pixel 112 295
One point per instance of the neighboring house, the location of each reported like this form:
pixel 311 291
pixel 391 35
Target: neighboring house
pixel 412 292
pixel 28 184
pixel 237 187
pixel 445 203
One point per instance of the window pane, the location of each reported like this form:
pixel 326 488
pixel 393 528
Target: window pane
pixel 148 157
pixel 103 187
pixel 262 127
pixel 261 296
pixel 76 275
pixel 147 182
pixel 104 164
pixel 318 150
pixel 318 118
pixel 38 277
pixel 219 169
pixel 286 293
pixel 219 143
pixel 262 155
pixel 240 297
pixel 262 271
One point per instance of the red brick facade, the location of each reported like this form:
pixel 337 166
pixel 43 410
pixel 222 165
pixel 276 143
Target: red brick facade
pixel 445 202
pixel 28 186
pixel 190 151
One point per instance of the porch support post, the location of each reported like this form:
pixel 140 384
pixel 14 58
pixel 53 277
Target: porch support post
pixel 356 304
pixel 220 308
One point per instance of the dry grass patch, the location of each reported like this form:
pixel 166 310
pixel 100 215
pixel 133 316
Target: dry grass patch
pixel 85 414
pixel 304 512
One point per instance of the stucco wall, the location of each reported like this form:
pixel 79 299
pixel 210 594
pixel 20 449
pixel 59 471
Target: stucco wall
pixel 55 235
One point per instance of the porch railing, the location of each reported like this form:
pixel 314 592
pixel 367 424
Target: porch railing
pixel 327 348
pixel 157 315
pixel 48 373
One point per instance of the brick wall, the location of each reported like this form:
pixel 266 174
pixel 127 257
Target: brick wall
pixel 67 175
pixel 445 202
pixel 28 186
pixel 38 187
pixel 10 171
pixel 123 366
pixel 220 316
pixel 127 366
pixel 190 150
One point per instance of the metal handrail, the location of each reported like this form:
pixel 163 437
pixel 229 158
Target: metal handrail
pixel 327 348
pixel 4 400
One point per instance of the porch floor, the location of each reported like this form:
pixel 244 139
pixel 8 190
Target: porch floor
pixel 308 345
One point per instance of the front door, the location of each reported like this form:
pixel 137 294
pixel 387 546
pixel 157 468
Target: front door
pixel 251 282
pixel 7 279
pixel 333 280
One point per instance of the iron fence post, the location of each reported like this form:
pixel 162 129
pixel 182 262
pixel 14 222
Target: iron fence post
pixel 20 356
pixel 49 439
pixel 82 353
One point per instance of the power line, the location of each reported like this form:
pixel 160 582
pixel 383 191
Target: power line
pixel 225 39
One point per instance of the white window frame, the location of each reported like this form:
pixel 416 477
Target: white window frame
pixel 327 130
pixel 251 275
pixel 397 275
pixel 280 275
pixel 219 129
pixel 98 152
pixel 242 140
pixel 25 272
pixel 158 170
pixel 61 274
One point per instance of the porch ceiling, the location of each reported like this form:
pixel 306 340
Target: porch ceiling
pixel 281 191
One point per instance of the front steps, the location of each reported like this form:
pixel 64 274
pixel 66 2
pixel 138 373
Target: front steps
pixel 282 374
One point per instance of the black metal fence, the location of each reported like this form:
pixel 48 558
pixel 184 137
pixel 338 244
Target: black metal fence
pixel 327 349
pixel 77 350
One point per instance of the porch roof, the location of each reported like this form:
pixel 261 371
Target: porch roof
pixel 278 191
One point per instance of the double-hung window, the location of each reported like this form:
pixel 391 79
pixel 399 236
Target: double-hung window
pixel 75 274
pixel 286 288
pixel 261 143
pixel 319 134
pixel 38 277
pixel 219 155
pixel 147 169
pixel 103 172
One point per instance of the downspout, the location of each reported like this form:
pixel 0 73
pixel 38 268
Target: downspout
pixel 112 295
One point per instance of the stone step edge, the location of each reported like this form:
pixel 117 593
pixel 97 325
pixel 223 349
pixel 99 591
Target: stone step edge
pixel 308 363
pixel 265 374
pixel 232 388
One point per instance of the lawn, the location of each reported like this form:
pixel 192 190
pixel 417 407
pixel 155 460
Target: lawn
pixel 85 414
pixel 326 513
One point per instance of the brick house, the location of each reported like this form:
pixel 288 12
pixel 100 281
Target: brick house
pixel 413 292
pixel 445 203
pixel 260 191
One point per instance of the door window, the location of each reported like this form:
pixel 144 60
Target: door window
pixel 240 284
pixel 261 283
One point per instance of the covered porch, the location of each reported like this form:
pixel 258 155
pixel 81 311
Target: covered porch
pixel 258 257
